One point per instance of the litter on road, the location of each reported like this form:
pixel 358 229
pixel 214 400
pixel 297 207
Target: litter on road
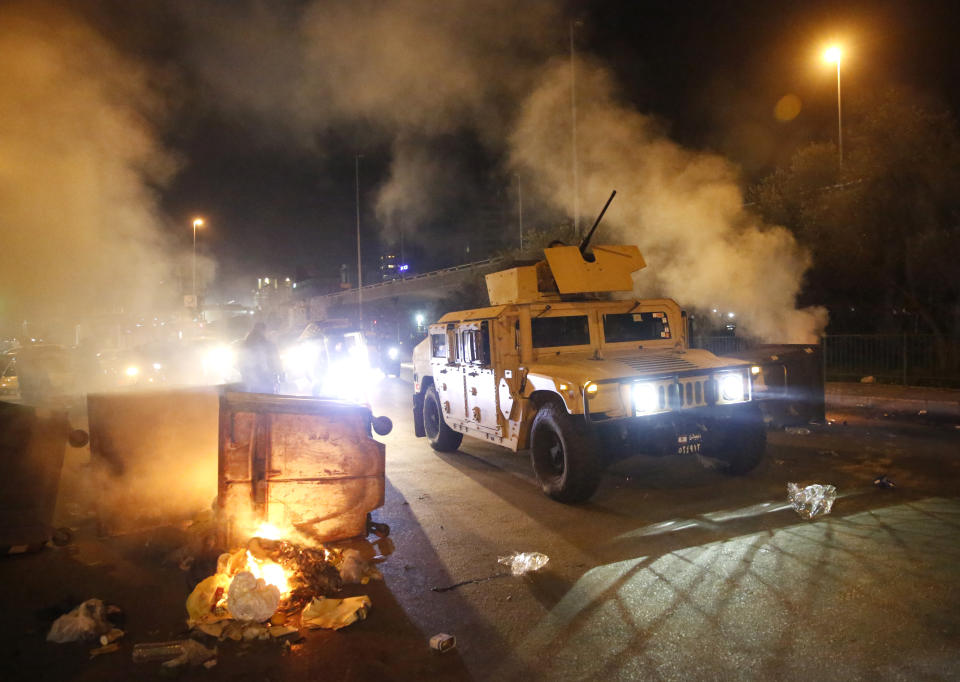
pixel 87 621
pixel 521 563
pixel 443 642
pixel 333 614
pixel 812 501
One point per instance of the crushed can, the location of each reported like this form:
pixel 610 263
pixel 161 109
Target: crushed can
pixel 443 642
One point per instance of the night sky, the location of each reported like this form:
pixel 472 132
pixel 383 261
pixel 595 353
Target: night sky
pixel 280 196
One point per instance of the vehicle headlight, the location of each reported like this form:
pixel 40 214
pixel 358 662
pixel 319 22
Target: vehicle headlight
pixel 645 398
pixel 132 371
pixel 731 387
pixel 393 353
pixel 157 366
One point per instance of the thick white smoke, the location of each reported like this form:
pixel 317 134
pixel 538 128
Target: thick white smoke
pixel 78 164
pixel 684 209
pixel 409 75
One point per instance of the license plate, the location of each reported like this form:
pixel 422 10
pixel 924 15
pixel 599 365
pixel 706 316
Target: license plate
pixel 689 444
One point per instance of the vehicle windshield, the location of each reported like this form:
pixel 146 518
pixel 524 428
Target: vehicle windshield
pixel 570 330
pixel 635 327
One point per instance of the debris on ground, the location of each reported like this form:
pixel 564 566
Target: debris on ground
pixel 884 482
pixel 111 637
pixel 105 649
pixel 86 621
pixel 813 500
pixel 447 588
pixel 333 614
pixel 797 430
pixel 354 570
pixel 251 598
pixel 521 563
pixel 868 380
pixel 173 654
pixel 443 642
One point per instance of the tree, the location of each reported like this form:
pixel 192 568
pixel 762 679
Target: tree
pixel 884 229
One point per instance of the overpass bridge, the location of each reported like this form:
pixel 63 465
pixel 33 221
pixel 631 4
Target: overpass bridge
pixel 394 296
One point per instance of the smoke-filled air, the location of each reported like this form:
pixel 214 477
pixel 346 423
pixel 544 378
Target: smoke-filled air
pixel 78 164
pixel 414 74
pixel 684 209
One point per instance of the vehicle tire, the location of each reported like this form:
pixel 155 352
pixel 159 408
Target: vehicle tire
pixel 739 443
pixel 442 438
pixel 564 455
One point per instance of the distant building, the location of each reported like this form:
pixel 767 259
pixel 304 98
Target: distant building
pixel 272 292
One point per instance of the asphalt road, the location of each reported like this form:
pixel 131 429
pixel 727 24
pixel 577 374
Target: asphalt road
pixel 671 571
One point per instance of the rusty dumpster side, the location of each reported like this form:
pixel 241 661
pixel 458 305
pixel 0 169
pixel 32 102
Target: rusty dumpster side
pixel 298 463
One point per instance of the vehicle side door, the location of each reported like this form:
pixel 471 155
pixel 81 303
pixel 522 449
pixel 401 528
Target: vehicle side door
pixel 447 372
pixel 479 378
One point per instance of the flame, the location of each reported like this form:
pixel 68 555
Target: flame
pixel 271 572
pixel 268 531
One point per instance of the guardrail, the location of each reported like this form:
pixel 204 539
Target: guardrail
pixel 433 274
pixel 908 359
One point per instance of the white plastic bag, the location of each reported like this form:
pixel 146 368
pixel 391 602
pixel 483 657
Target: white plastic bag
pixel 250 598
pixel 87 621
pixel 812 501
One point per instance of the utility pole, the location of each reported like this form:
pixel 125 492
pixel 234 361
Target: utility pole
pixel 359 267
pixel 520 209
pixel 573 112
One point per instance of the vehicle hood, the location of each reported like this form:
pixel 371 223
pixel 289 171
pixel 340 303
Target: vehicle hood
pixel 581 367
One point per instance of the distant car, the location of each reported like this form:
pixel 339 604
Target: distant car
pixel 38 373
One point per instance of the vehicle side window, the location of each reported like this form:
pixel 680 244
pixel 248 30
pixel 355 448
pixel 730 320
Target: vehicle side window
pixel 635 327
pixel 476 345
pixel 570 330
pixel 438 345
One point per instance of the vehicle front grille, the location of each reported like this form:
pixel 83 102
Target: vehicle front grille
pixel 659 362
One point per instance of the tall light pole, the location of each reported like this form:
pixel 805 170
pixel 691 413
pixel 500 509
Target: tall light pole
pixel 573 113
pixel 520 209
pixel 359 269
pixel 197 222
pixel 834 53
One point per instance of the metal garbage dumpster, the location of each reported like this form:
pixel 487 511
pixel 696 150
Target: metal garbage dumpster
pixel 153 456
pixel 32 444
pixel 297 463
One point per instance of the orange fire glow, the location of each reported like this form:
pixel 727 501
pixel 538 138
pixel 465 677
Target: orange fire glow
pixel 271 572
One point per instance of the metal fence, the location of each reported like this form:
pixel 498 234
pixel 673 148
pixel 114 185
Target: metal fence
pixel 909 359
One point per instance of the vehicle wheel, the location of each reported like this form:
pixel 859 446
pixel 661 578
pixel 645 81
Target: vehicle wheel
pixel 738 444
pixel 564 455
pixel 442 438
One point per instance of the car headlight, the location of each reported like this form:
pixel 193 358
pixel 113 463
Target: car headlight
pixel 645 398
pixel 132 371
pixel 731 387
pixel 393 353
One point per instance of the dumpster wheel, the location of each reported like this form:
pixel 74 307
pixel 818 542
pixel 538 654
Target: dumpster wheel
pixel 381 530
pixel 62 536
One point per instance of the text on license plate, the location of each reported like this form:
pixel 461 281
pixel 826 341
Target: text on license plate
pixel 689 443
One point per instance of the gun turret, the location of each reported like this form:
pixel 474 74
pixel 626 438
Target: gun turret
pixel 568 271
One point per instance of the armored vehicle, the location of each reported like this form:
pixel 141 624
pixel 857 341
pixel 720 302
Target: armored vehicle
pixel 555 366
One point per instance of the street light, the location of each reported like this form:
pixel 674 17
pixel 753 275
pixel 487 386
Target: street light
pixel 197 222
pixel 834 53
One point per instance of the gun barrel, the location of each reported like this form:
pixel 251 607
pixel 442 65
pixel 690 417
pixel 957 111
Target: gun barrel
pixel 586 240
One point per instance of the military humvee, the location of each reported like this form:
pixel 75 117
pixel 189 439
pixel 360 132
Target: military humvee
pixel 553 367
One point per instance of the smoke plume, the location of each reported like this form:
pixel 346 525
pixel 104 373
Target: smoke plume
pixel 410 76
pixel 79 162
pixel 684 209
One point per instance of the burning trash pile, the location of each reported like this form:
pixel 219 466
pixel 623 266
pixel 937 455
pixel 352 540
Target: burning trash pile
pixel 271 588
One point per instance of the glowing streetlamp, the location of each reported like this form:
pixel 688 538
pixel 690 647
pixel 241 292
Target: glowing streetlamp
pixel 197 222
pixel 832 54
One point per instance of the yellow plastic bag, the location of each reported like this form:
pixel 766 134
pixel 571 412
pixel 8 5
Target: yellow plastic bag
pixel 333 614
